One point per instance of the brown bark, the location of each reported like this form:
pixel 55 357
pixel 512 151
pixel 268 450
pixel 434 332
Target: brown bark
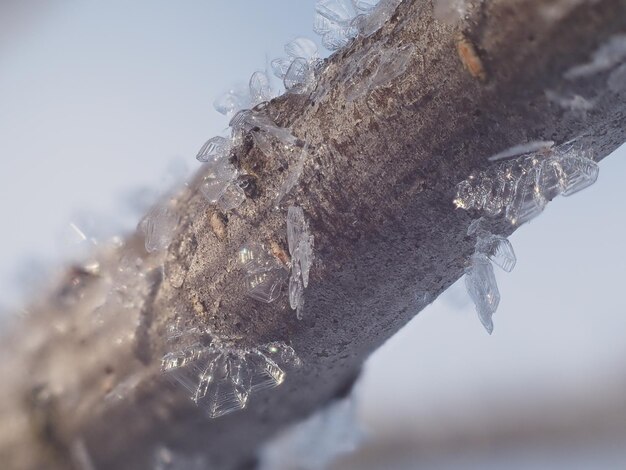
pixel 377 190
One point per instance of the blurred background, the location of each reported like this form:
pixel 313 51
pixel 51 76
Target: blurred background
pixel 102 104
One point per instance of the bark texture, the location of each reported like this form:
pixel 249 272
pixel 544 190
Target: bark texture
pixel 377 190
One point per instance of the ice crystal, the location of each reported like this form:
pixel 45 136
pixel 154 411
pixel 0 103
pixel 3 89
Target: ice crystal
pixel 496 248
pixel 159 226
pixel 221 377
pixel 260 88
pixel 265 276
pixel 216 148
pixel 334 22
pixel 521 187
pixel 576 103
pixel 293 175
pixel 300 243
pixel 297 70
pixel 219 185
pixel 480 281
pixel 231 102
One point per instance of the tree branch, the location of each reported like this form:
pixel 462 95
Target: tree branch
pixel 382 160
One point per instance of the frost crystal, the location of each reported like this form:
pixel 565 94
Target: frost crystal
pixel 295 171
pixel 483 289
pixel 449 11
pixel 260 88
pixel 158 227
pixel 520 188
pixel 231 102
pixel 222 377
pixel 265 276
pixel 297 70
pixel 300 243
pixel 216 148
pixel 480 279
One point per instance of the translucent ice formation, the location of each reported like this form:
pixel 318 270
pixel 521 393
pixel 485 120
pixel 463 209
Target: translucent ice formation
pixel 520 188
pixel 297 70
pixel 300 243
pixel 265 276
pixel 222 377
pixel 159 226
pixel 483 289
pixel 480 279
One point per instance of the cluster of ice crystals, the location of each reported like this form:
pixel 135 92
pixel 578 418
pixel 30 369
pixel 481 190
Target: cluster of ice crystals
pixel 378 68
pixel 520 188
pixel 297 70
pixel 159 226
pixel 222 377
pixel 480 279
pixel 334 22
pixel 315 443
pixel 219 184
pixel 259 91
pixel 300 243
pixel 265 276
pixel 293 175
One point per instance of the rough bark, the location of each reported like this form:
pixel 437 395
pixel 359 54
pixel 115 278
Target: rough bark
pixel 377 189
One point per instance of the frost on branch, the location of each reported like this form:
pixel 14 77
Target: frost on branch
pixel 480 279
pixel 520 188
pixel 221 376
pixel 265 275
pixel 301 249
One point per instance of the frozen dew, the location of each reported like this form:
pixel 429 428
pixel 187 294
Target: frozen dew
pixel 364 6
pixel 260 88
pixel 293 175
pixel 317 442
pixel 521 187
pixel 231 102
pixel 159 226
pixel 523 149
pixel 296 295
pixel 265 277
pixel 578 173
pixel 481 285
pixel 300 243
pixel 336 11
pixel 221 377
pixel 303 48
pixel 280 67
pixel 220 390
pixel 498 250
pixel 214 149
pixel 300 76
pixel 232 197
pixel 266 286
